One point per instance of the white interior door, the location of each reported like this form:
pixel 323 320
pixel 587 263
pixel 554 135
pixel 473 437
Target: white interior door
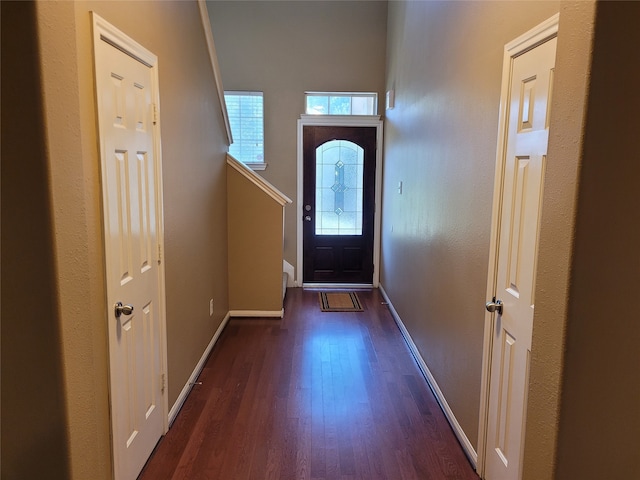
pixel 523 165
pixel 130 184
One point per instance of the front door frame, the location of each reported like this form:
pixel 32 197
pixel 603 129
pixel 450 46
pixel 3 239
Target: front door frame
pixel 527 41
pixel 340 121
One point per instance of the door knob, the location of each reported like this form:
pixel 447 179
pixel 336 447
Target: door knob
pixel 307 218
pixel 494 306
pixel 121 309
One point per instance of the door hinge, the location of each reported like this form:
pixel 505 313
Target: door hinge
pixel 159 254
pixel 155 113
pixel 163 382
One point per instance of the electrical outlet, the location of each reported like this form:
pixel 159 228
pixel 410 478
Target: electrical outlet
pixel 211 307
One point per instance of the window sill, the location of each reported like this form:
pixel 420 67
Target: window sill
pixel 256 166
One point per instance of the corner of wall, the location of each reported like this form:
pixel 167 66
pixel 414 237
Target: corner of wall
pixel 556 243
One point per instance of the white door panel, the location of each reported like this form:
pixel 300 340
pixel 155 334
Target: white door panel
pixel 523 166
pixel 130 193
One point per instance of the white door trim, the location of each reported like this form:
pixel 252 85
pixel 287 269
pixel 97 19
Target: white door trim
pixel 534 37
pixel 104 31
pixel 341 121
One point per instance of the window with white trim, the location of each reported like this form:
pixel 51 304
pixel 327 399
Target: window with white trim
pixel 246 117
pixel 341 103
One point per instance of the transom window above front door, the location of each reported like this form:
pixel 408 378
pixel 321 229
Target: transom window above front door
pixel 341 103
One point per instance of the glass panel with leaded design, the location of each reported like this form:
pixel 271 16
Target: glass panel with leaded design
pixel 339 187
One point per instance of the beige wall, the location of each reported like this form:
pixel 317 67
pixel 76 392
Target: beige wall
pixel 255 246
pixel 440 143
pixel 193 155
pixel 583 419
pixel 599 420
pixel 444 61
pixel 287 48
pixel 571 83
pixel 32 384
pixel 70 303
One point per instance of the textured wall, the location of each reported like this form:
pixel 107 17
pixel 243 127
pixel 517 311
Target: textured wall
pixel 599 429
pixel 31 361
pixel 76 223
pixel 287 48
pixel 70 247
pixel 571 83
pixel 444 61
pixel 193 157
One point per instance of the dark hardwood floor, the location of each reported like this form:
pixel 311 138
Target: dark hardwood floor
pixel 316 395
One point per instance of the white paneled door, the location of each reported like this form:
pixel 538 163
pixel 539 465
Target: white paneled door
pixel 131 192
pixel 523 166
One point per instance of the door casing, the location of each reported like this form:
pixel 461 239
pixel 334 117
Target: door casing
pixel 340 121
pixel 534 37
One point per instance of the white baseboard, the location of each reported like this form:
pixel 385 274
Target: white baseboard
pixel 173 413
pixel 457 429
pixel 257 313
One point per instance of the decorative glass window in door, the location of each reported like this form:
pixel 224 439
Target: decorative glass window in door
pixel 339 187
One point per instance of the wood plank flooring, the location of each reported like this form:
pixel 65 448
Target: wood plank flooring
pixel 316 395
